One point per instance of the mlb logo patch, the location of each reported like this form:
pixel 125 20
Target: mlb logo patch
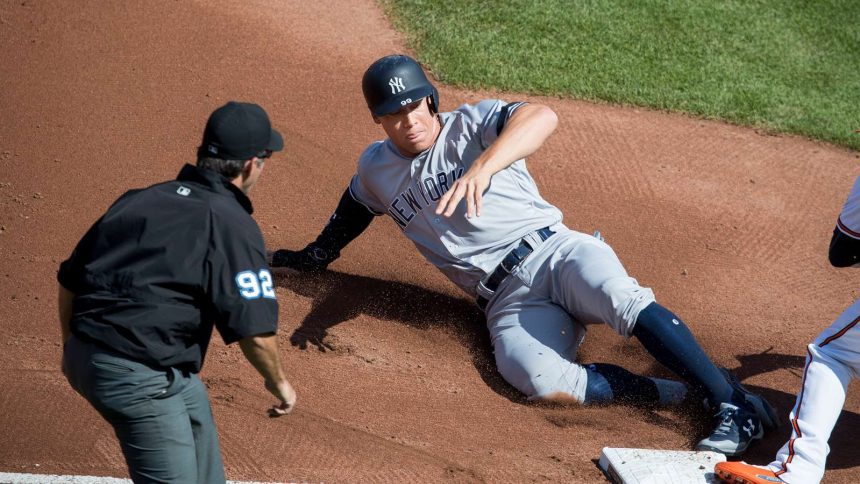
pixel 184 191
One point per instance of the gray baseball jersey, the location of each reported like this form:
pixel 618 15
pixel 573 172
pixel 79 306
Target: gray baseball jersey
pixel 464 249
pixel 535 315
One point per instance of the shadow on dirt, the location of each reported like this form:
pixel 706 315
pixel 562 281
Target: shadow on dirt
pixel 339 297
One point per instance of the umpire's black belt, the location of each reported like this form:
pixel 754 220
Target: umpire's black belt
pixel 514 258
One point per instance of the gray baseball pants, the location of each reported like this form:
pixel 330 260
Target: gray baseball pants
pixel 536 316
pixel 162 418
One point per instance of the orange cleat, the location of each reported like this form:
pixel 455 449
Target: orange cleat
pixel 743 473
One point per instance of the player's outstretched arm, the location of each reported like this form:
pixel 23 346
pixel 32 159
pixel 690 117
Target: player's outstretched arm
pixel 262 352
pixel 347 222
pixel 524 133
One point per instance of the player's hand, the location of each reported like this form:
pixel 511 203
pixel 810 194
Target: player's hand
pixel 309 259
pixel 470 186
pixel 285 393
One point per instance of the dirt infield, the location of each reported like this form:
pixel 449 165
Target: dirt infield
pixel 396 381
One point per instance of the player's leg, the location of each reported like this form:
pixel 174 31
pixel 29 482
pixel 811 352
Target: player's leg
pixel 534 346
pixel 586 277
pixel 741 415
pixel 832 361
pixel 671 343
pixel 612 384
pixel 535 343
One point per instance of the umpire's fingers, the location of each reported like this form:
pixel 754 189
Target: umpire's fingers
pixel 280 410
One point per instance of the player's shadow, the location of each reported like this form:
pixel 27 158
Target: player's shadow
pixel 339 297
pixel 844 451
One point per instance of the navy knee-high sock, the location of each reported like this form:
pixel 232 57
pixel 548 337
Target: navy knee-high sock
pixel 613 384
pixel 672 344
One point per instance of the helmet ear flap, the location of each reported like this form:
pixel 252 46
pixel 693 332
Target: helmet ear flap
pixel 434 101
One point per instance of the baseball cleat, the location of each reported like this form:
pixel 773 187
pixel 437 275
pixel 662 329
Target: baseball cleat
pixel 736 430
pixel 762 408
pixel 743 473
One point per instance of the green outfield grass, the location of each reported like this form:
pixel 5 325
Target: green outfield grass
pixel 782 65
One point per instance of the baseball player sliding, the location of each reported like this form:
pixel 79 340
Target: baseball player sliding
pixel 456 185
pixel 831 362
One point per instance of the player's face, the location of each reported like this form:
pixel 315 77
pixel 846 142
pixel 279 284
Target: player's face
pixel 413 128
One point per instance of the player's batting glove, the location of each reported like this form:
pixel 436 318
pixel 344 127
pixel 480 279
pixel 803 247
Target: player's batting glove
pixel 309 259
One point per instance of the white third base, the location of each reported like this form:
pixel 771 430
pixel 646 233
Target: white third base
pixel 654 466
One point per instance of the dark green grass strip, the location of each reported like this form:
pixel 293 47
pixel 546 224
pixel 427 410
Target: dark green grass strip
pixel 781 65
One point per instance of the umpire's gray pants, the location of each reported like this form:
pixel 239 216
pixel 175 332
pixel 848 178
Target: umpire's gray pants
pixel 162 418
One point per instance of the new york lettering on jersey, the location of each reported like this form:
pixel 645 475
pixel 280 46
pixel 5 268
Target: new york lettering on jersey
pixel 513 207
pixel 420 194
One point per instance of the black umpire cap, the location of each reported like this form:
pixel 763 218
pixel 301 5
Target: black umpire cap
pixel 239 131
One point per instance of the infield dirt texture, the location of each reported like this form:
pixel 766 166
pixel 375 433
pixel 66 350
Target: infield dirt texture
pixel 728 226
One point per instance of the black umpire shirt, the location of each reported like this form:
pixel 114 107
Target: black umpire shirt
pixel 154 274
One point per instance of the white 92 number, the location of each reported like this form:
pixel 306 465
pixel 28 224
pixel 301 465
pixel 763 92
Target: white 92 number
pixel 252 284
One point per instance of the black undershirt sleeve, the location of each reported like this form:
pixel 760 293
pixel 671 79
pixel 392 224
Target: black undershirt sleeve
pixel 348 221
pixel 844 250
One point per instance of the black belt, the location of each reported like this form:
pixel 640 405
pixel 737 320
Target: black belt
pixel 509 263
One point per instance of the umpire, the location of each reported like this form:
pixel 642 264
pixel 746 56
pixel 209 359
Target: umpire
pixel 143 289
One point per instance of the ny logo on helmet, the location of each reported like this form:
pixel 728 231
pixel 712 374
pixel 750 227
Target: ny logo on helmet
pixel 396 84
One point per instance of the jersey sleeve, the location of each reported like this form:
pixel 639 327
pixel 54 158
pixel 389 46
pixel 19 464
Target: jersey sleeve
pixel 849 219
pixel 359 187
pixel 489 118
pixel 241 289
pixel 359 192
pixel 72 272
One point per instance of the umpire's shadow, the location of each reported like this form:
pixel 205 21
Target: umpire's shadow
pixel 339 297
pixel 843 442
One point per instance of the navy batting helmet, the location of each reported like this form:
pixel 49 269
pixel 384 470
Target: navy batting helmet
pixel 395 81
